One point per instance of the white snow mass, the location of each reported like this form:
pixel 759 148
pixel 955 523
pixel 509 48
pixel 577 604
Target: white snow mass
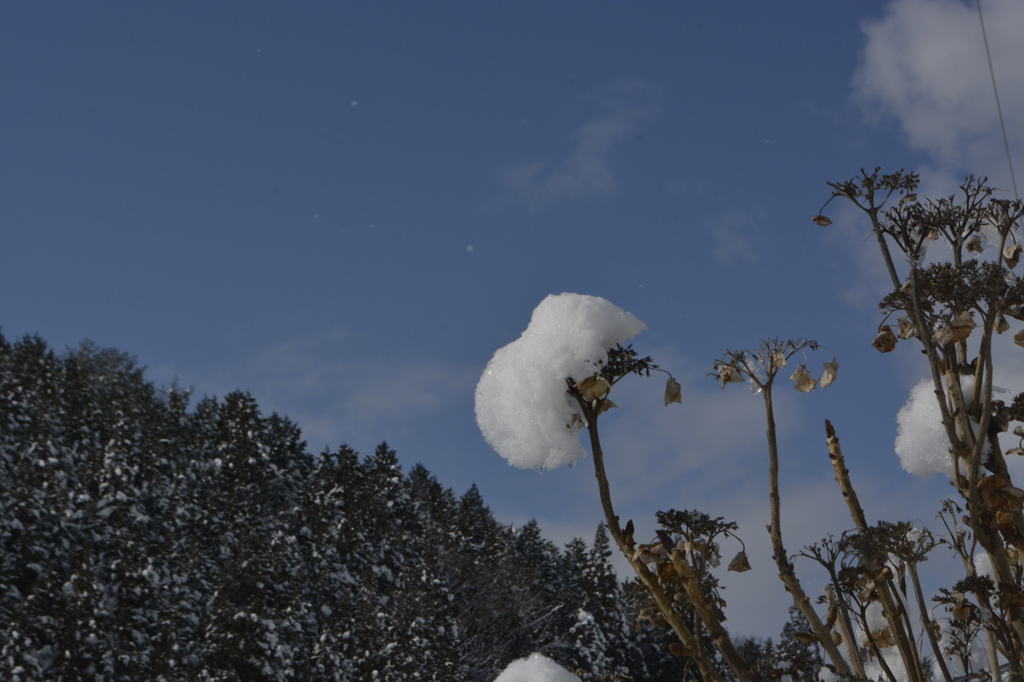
pixel 536 668
pixel 522 407
pixel 921 442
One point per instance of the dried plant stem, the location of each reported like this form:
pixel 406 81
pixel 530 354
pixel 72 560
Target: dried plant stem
pixel 846 630
pixel 993 656
pixel 786 572
pixel 929 626
pixel 835 454
pixel 649 580
pixel 895 612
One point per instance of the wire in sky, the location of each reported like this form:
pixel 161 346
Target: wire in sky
pixel 999 107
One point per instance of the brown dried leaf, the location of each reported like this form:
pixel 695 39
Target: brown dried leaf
pixel 962 609
pixel 803 381
pixel 739 563
pixel 1015 451
pixel 958 329
pixel 673 391
pixel 884 638
pixel 974 244
pixel 1002 325
pixel 677 649
pixel 885 340
pixel 907 329
pixel 595 387
pixel 606 405
pixel 1011 253
pixel 805 637
pixel 933 234
pixel 990 483
pixel 1018 338
pixel 821 220
pixel 1005 521
pixel 829 375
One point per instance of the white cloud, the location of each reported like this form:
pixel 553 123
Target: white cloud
pixel 924 63
pixel 586 168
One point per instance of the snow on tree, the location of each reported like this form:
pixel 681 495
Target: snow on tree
pixel 522 407
pixel 535 668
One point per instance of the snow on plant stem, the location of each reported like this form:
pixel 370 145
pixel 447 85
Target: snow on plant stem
pixel 522 407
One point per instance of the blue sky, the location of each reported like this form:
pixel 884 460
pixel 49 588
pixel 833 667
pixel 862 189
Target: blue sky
pixel 345 208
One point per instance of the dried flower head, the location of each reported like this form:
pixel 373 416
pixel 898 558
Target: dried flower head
pixel 885 340
pixel 829 375
pixel 1011 253
pixel 594 388
pixel 958 329
pixel 803 381
pixel 740 563
pixel 727 374
pixel 673 391
pixel 821 220
pixel 907 330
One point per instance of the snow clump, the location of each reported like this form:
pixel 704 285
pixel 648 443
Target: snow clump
pixel 536 668
pixel 522 407
pixel 921 442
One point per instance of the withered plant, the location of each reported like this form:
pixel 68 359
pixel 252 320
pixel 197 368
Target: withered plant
pixel 873 620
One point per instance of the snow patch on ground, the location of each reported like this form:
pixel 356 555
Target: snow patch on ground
pixel 535 668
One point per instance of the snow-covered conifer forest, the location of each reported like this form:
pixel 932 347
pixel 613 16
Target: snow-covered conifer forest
pixel 147 537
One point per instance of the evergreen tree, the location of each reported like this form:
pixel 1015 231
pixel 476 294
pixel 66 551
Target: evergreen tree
pixel 144 538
